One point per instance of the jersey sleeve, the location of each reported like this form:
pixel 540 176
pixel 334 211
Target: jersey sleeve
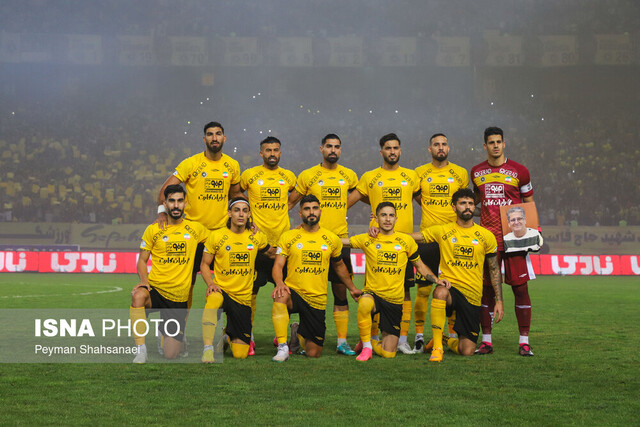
pixel 210 243
pixel 362 186
pixel 147 239
pixel 490 243
pixel 416 182
pixel 262 240
pixel 244 179
pixel 301 184
pixel 357 242
pixel 203 233
pixel 183 170
pixel 282 246
pixel 292 180
pixel 431 234
pixel 337 246
pixel 235 169
pixel 526 189
pixel 353 179
pixel 412 249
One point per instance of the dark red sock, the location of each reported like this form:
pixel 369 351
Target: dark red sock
pixel 523 308
pixel 488 305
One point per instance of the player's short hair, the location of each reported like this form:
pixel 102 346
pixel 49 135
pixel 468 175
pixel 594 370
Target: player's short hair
pixel 389 137
pixel 492 130
pixel 516 209
pixel 213 125
pixel 270 140
pixel 309 198
pixel 330 136
pixel 435 135
pixel 232 202
pixel 384 205
pixel 174 188
pixel 463 193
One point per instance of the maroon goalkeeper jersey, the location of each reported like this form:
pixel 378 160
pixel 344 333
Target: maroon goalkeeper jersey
pixel 499 186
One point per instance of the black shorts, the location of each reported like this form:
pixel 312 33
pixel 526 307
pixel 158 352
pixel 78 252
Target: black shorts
pixel 467 315
pixel 345 256
pixel 169 310
pixel 430 255
pixel 238 319
pixel 197 261
pixel 409 278
pixel 390 315
pixel 264 268
pixel 312 325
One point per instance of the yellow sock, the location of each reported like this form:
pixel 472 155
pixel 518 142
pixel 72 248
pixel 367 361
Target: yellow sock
pixel 240 351
pixel 420 308
pixel 438 316
pixel 303 342
pixel 377 347
pixel 210 317
pixel 452 321
pixel 280 317
pixel 341 318
pixel 453 345
pixel 374 325
pixel 365 306
pixel 138 313
pixel 387 354
pixel 406 318
pixel 254 304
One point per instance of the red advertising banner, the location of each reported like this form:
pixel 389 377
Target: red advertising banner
pixel 125 262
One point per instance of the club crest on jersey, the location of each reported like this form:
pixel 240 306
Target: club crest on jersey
pixel 378 246
pixel 450 180
pixel 403 183
pixel 341 181
pixel 482 179
pixel 203 174
pixel 225 174
pixel 324 247
pixel 249 247
pixel 299 246
pixel 454 240
pixel 429 179
pixel 228 248
pixel 380 183
pixel 474 242
pixel 260 182
pixel 187 236
pixel 281 182
pixel 321 183
pixel 397 247
pixel 165 238
pixel 143 244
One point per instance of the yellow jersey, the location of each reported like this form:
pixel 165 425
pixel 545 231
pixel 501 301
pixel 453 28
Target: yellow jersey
pixel 207 183
pixel 397 186
pixel 462 255
pixel 308 258
pixel 437 185
pixel 234 261
pixel 172 255
pixel 331 187
pixel 386 262
pixel 268 192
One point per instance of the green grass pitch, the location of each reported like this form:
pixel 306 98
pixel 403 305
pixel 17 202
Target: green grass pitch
pixel 586 369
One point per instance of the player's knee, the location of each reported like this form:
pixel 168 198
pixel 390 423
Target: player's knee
pixel 239 351
pixel 139 297
pixel 214 300
pixel 365 304
pixel 440 292
pixel 313 351
pixel 466 351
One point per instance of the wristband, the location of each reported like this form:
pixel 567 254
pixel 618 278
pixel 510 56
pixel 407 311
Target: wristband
pixel 162 209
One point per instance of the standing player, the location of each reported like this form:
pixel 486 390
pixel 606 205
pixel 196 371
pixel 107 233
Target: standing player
pixel 168 284
pixel 308 252
pixel 331 183
pixel 438 181
pixel 268 187
pixel 464 249
pixel 211 178
pixel 235 249
pixel 387 257
pixel 398 185
pixel 499 181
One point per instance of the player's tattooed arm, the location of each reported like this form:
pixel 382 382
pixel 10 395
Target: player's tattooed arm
pixel 496 283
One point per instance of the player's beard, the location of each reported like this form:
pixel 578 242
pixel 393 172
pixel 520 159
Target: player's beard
pixel 215 149
pixel 391 162
pixel 311 222
pixel 465 215
pixel 332 158
pixel 176 214
pixel 441 157
pixel 272 161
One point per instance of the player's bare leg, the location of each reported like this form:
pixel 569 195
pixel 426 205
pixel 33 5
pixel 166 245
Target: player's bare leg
pixel 341 318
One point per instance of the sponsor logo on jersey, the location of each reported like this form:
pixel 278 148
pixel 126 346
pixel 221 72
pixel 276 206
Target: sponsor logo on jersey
pixel 176 248
pixel 387 258
pixel 330 193
pixel 494 190
pixel 463 252
pixel 239 259
pixel 391 193
pixel 270 193
pixel 439 190
pixel 213 185
pixel 311 257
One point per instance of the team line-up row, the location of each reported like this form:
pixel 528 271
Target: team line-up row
pixel 234 227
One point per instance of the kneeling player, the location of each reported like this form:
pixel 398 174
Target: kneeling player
pixel 386 260
pixel 308 251
pixel 166 287
pixel 235 249
pixel 464 246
